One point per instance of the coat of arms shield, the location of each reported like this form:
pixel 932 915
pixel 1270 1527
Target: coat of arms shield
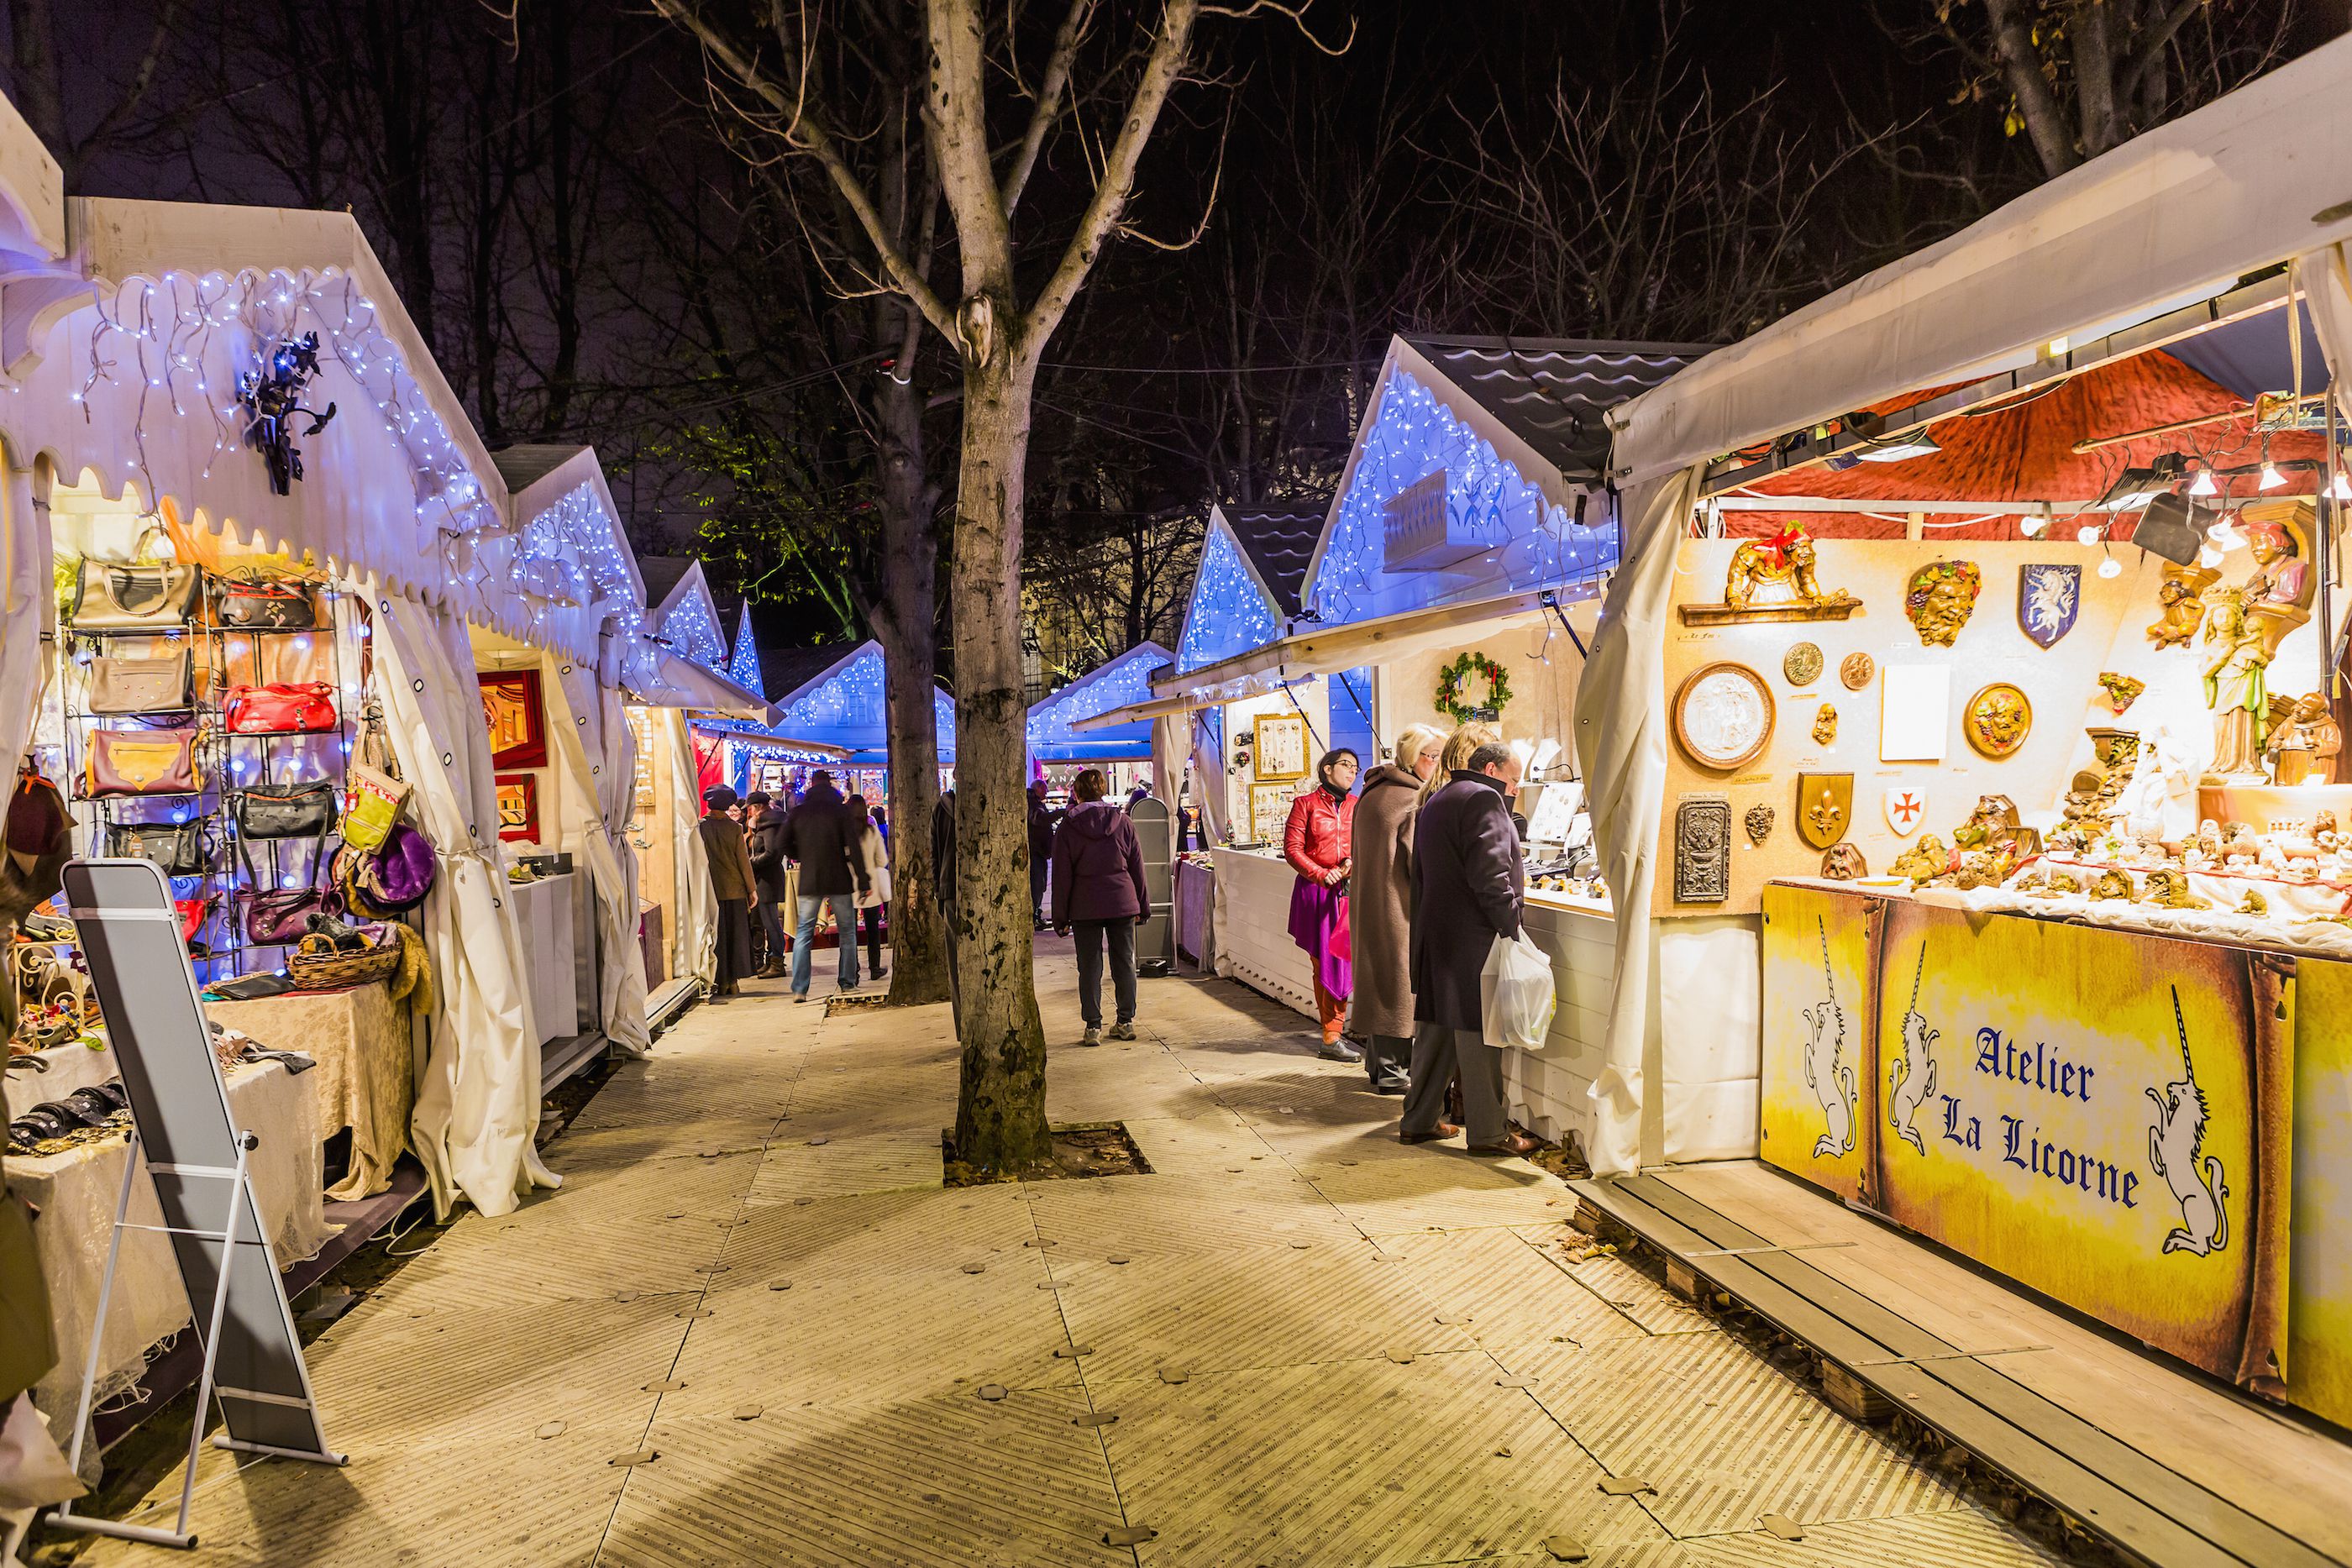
pixel 2049 597
pixel 1824 806
pixel 1907 807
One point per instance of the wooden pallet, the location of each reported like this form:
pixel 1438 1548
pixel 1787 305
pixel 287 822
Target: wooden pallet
pixel 2141 1506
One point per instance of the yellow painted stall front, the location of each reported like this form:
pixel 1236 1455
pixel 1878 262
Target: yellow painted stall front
pixel 2148 1128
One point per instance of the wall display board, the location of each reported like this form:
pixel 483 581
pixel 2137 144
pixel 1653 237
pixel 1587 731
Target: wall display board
pixel 2129 1123
pixel 1281 742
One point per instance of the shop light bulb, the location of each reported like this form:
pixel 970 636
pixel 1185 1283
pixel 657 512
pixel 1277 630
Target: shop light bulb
pixel 2203 483
pixel 2088 534
pixel 2340 489
pixel 2111 567
pixel 2209 556
pixel 2033 526
pixel 2270 478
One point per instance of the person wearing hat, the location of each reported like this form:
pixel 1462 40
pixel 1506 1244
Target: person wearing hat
pixel 733 885
pixel 763 834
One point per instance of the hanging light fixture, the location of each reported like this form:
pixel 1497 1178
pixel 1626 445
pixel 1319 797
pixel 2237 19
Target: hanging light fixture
pixel 2271 478
pixel 2088 534
pixel 2111 567
pixel 2203 483
pixel 2340 488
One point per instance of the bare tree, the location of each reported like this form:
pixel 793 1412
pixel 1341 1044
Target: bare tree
pixel 2079 77
pixel 36 80
pixel 978 78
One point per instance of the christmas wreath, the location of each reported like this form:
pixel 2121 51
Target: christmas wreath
pixel 1449 682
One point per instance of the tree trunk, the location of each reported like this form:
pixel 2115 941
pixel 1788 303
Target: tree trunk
pixel 907 628
pixel 1001 1115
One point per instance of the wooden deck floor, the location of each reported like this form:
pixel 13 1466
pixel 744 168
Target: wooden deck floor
pixel 2185 1470
pixel 1295 1343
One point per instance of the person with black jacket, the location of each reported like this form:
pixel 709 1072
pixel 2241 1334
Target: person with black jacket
pixel 1041 849
pixel 818 835
pixel 764 835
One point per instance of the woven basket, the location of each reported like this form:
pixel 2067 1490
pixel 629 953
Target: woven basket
pixel 335 971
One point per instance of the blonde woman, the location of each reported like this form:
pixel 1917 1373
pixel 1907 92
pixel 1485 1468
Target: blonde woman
pixel 1380 895
pixel 1465 740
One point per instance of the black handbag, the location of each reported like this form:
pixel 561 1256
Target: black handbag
pixel 267 606
pixel 180 848
pixel 285 811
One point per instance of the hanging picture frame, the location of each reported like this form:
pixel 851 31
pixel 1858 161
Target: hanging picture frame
pixel 1269 807
pixel 516 712
pixel 519 807
pixel 1279 741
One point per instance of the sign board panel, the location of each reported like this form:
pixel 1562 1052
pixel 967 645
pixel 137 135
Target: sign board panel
pixel 139 966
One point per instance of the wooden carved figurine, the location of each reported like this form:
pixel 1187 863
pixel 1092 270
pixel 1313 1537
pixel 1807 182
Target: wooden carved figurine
pixel 1940 598
pixel 1784 565
pixel 2235 663
pixel 2181 598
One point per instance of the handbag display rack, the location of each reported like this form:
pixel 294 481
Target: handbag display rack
pixel 239 633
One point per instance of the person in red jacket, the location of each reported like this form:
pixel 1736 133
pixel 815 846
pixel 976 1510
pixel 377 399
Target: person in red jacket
pixel 1099 891
pixel 1316 841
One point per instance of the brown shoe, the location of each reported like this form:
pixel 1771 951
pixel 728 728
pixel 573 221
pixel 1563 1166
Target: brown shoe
pixel 1445 1130
pixel 1515 1144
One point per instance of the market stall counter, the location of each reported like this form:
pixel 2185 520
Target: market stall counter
pixel 1251 922
pixel 74 1192
pixel 2132 1107
pixel 366 1076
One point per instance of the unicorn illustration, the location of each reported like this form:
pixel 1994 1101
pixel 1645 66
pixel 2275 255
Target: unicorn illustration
pixel 1826 1074
pixel 1911 1079
pixel 2050 605
pixel 2174 1143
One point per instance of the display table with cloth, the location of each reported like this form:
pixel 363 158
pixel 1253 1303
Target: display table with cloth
pixel 74 1192
pixel 543 911
pixel 1196 896
pixel 66 1068
pixel 366 1076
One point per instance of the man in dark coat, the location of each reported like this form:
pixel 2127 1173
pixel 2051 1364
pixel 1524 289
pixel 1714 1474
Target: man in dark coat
pixel 764 835
pixel 1041 849
pixel 1467 884
pixel 818 834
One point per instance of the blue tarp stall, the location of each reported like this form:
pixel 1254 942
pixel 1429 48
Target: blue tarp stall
pixel 1123 683
pixel 1468 527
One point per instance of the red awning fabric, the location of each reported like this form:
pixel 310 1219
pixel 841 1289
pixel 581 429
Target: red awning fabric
pixel 2024 451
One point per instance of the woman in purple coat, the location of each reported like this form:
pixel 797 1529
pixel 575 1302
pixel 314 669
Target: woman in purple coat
pixel 1098 891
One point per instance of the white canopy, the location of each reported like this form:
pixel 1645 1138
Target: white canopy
pixel 2171 217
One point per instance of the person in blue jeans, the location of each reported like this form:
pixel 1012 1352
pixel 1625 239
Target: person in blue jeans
pixel 819 835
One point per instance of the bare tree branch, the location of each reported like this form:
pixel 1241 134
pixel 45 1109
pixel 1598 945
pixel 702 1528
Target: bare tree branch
pixel 1051 87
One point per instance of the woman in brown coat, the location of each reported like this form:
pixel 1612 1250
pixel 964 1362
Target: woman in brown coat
pixel 1379 894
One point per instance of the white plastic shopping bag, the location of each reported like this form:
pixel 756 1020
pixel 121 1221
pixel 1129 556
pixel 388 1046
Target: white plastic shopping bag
pixel 1515 993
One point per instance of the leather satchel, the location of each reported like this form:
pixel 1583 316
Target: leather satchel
pixel 267 606
pixel 111 597
pixel 285 811
pixel 277 708
pixel 141 762
pixel 142 686
pixel 281 916
pixel 180 848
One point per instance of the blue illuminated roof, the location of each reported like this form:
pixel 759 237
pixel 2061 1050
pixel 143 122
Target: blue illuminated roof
pixel 1124 680
pixel 841 705
pixel 1231 609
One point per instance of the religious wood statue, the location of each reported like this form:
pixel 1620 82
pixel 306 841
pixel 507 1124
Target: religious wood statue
pixel 2235 662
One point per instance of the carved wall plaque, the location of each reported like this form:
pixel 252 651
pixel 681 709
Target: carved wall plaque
pixel 1802 663
pixel 1856 670
pixel 1703 849
pixel 1759 823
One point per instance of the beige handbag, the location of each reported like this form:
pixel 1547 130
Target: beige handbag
pixel 142 686
pixel 111 597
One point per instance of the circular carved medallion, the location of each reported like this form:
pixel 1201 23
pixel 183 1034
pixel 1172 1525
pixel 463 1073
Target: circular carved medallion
pixel 1856 670
pixel 1996 719
pixel 1802 663
pixel 1723 716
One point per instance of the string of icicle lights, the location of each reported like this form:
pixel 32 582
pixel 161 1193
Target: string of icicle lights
pixel 1416 434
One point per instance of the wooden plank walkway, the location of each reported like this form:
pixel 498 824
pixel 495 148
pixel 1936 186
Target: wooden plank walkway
pixel 2166 1465
pixel 1295 1343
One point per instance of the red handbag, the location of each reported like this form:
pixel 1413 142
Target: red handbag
pixel 279 709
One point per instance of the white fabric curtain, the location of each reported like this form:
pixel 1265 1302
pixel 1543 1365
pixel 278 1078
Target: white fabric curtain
pixel 582 725
pixel 27 592
pixel 1209 773
pixel 1168 762
pixel 2325 276
pixel 478 1109
pixel 694 947
pixel 1620 738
